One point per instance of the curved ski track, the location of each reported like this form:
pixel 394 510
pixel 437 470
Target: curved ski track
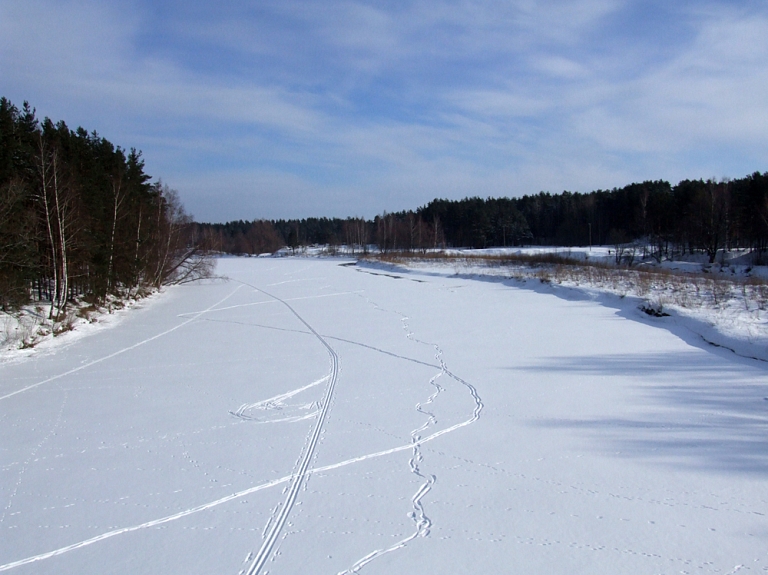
pixel 296 479
pixel 276 524
pixel 246 492
pixel 277 402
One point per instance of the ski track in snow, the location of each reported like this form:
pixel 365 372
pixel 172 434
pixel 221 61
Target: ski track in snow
pixel 277 522
pixel 294 481
pixel 268 302
pixel 277 403
pixel 422 522
pixel 250 490
pixel 327 337
pixel 121 351
pixel 418 467
pixel 240 494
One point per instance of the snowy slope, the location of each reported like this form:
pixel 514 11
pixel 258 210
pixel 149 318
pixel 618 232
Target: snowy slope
pixel 310 417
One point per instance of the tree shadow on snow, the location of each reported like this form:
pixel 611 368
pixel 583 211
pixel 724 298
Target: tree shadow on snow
pixel 715 419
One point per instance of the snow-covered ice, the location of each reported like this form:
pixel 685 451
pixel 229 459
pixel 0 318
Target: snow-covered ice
pixel 311 417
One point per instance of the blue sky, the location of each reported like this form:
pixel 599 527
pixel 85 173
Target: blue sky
pixel 280 109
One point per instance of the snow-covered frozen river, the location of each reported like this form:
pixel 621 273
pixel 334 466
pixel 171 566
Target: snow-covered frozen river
pixel 311 417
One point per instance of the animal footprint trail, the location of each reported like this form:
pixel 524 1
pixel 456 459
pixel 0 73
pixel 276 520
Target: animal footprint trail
pixel 422 522
pixel 239 495
pixel 266 559
pixel 418 515
pixel 32 456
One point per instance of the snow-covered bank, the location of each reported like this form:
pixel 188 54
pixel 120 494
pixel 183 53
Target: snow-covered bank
pixel 29 332
pixel 311 417
pixel 711 311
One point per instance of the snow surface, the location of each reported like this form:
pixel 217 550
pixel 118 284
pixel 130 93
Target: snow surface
pixel 311 417
pixel 723 312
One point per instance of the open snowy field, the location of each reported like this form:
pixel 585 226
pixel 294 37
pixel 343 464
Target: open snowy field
pixel 311 417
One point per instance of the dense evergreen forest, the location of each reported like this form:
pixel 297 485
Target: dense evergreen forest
pixel 79 217
pixel 694 216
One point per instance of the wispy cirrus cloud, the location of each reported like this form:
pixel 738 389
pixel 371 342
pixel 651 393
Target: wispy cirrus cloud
pixel 297 108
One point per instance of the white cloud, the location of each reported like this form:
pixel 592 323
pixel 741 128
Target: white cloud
pixel 712 93
pixel 348 107
pixel 560 67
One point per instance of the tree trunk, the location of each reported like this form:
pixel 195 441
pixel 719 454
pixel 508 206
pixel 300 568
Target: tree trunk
pixel 116 206
pixel 62 224
pixel 44 169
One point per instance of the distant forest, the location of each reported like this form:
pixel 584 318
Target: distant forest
pixel 694 216
pixel 79 217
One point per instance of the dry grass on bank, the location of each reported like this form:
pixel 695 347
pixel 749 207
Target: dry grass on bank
pixel 660 287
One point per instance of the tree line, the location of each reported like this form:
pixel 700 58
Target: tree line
pixel 694 216
pixel 79 217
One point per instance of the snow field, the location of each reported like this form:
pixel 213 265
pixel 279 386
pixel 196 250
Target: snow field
pixel 307 417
